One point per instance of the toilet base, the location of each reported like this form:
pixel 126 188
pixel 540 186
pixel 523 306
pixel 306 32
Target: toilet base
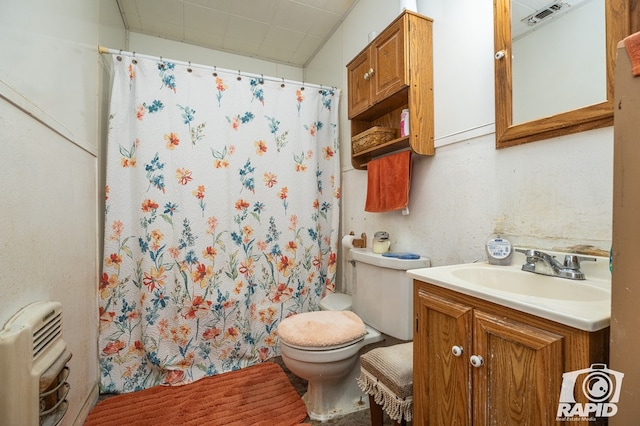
pixel 331 375
pixel 335 398
pixel 356 406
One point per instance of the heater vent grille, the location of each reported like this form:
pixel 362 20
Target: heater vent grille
pixel 47 333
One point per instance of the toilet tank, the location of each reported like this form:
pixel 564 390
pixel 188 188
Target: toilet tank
pixel 383 294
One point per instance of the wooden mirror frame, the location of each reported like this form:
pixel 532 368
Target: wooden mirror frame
pixel 618 26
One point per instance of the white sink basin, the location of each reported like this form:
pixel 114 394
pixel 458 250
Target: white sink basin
pixel 583 304
pixel 529 284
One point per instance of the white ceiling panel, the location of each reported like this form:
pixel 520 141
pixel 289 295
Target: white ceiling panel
pixel 283 31
pixel 205 21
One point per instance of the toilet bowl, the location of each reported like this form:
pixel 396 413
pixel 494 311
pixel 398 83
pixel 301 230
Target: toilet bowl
pixel 330 369
pixel 324 347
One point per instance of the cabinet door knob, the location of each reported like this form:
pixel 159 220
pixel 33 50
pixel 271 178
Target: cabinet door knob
pixel 457 350
pixel 371 72
pixel 367 76
pixel 476 360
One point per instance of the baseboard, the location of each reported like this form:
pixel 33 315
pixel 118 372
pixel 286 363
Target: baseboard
pixel 87 406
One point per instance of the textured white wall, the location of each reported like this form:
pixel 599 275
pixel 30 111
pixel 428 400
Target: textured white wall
pixel 48 238
pixel 48 57
pixel 547 194
pixel 51 90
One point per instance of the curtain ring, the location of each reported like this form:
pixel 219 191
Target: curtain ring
pixel 239 77
pixel 321 89
pixel 189 68
pixel 134 60
pixel 215 71
pixel 302 88
pixel 261 78
pixel 282 84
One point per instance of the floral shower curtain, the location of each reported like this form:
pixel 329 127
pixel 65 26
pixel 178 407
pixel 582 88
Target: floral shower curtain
pixel 222 207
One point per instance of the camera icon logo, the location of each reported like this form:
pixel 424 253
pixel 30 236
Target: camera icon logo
pixel 599 384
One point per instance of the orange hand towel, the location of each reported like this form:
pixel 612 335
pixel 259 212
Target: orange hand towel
pixel 632 43
pixel 388 182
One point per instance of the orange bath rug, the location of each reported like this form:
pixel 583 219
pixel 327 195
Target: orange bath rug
pixel 257 395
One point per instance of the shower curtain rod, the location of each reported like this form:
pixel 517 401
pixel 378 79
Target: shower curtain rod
pixel 105 50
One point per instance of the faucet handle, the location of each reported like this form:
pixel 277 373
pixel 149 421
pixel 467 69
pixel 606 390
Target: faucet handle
pixel 532 254
pixel 572 261
pixel 528 252
pixel 532 257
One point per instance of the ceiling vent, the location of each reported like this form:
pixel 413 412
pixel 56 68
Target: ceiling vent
pixel 546 13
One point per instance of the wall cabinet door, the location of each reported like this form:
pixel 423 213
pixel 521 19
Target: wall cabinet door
pixel 359 84
pixel 379 71
pixel 388 62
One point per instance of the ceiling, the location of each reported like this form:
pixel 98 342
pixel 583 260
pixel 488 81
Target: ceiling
pixel 282 31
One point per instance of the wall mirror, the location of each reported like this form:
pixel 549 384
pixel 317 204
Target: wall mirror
pixel 554 66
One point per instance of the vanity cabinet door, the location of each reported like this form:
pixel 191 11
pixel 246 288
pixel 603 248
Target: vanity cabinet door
pixel 520 379
pixel 441 379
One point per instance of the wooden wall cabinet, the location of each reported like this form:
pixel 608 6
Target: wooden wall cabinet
pixel 478 363
pixel 378 72
pixel 392 73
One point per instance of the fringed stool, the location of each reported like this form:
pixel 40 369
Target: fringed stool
pixel 386 374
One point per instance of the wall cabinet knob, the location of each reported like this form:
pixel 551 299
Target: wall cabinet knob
pixel 476 360
pixel 499 54
pixel 369 74
pixel 457 350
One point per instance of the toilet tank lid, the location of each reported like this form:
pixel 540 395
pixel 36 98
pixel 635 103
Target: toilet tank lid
pixel 336 302
pixel 367 256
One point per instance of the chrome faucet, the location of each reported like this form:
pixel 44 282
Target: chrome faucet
pixel 570 269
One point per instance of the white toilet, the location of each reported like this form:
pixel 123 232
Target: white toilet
pixel 324 347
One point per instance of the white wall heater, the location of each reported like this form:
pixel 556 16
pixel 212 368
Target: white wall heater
pixel 33 367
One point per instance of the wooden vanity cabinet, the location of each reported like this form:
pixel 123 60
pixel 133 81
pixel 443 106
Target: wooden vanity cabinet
pixel 392 73
pixel 523 359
